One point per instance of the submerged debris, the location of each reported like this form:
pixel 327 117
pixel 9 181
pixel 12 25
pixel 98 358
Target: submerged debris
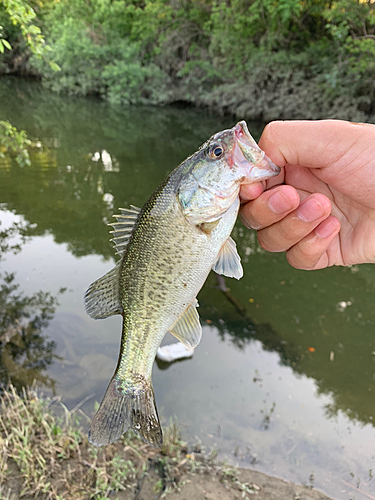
pixel 174 352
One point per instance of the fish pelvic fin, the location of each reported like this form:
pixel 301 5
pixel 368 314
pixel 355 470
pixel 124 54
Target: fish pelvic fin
pixel 133 408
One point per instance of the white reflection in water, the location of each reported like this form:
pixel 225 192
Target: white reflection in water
pixel 109 162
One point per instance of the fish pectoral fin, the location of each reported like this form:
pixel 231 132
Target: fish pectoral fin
pixel 102 299
pixel 187 328
pixel 122 410
pixel 228 261
pixel 123 228
pixel 208 227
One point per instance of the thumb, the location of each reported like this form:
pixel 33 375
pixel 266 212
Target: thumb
pixel 315 144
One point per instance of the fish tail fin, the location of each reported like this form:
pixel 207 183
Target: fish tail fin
pixel 120 410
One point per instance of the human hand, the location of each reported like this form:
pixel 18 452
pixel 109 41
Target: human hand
pixel 321 208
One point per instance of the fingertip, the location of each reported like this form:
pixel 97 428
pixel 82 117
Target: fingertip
pixel 269 142
pixel 283 199
pixel 268 208
pixel 249 192
pixel 314 207
pixel 323 200
pixel 328 228
pixel 312 251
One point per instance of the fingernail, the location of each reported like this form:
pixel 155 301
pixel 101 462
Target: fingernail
pixel 279 203
pixel 311 210
pixel 326 228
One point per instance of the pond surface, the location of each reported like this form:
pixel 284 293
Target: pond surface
pixel 284 378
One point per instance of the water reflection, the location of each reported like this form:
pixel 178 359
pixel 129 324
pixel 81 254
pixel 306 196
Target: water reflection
pixel 88 160
pixel 348 382
pixel 25 353
pixel 84 168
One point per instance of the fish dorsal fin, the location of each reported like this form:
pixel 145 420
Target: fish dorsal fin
pixel 187 328
pixel 228 261
pixel 123 228
pixel 102 298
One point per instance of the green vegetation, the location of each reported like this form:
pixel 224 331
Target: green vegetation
pixel 258 59
pixel 38 445
pixel 14 142
pixel 20 19
pixel 45 454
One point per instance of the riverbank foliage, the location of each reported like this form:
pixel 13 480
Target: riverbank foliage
pixel 257 59
pixel 15 142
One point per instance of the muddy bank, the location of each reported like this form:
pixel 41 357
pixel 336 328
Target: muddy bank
pixel 248 484
pixel 45 454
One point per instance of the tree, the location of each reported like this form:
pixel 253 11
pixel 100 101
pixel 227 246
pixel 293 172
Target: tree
pixel 22 15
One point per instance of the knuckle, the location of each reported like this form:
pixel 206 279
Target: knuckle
pixel 303 256
pixel 284 232
pixel 307 252
pixel 296 263
pixel 268 243
pixel 263 242
pixel 249 222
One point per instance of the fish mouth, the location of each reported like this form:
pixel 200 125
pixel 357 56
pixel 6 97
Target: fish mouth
pixel 262 167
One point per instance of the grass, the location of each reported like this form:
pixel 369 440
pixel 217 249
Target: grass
pixel 45 454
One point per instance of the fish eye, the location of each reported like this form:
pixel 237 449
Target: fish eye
pixel 216 151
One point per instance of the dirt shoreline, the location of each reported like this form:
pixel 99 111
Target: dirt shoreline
pixel 45 454
pixel 209 487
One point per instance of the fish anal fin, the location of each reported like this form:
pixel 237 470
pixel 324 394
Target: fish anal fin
pixel 120 410
pixel 102 298
pixel 228 261
pixel 187 328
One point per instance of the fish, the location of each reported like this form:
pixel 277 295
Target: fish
pixel 167 249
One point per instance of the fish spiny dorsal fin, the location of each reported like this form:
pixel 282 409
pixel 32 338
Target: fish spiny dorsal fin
pixel 102 298
pixel 228 261
pixel 187 328
pixel 123 228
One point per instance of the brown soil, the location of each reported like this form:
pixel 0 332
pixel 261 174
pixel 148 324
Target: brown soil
pixel 46 456
pixel 210 487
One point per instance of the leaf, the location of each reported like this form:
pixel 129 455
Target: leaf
pixel 54 66
pixel 6 44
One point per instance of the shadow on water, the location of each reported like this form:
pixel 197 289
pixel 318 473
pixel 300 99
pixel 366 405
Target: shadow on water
pixel 25 353
pixel 234 323
pixel 89 159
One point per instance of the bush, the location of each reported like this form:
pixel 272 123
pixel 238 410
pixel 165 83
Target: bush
pixel 92 64
pixel 14 142
pixel 287 56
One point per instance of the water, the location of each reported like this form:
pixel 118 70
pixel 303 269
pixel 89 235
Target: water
pixel 284 378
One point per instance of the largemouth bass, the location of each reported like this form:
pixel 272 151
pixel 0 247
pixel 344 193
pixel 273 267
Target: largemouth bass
pixel 167 250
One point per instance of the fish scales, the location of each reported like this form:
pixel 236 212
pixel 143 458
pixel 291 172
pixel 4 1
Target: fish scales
pixel 166 250
pixel 166 264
